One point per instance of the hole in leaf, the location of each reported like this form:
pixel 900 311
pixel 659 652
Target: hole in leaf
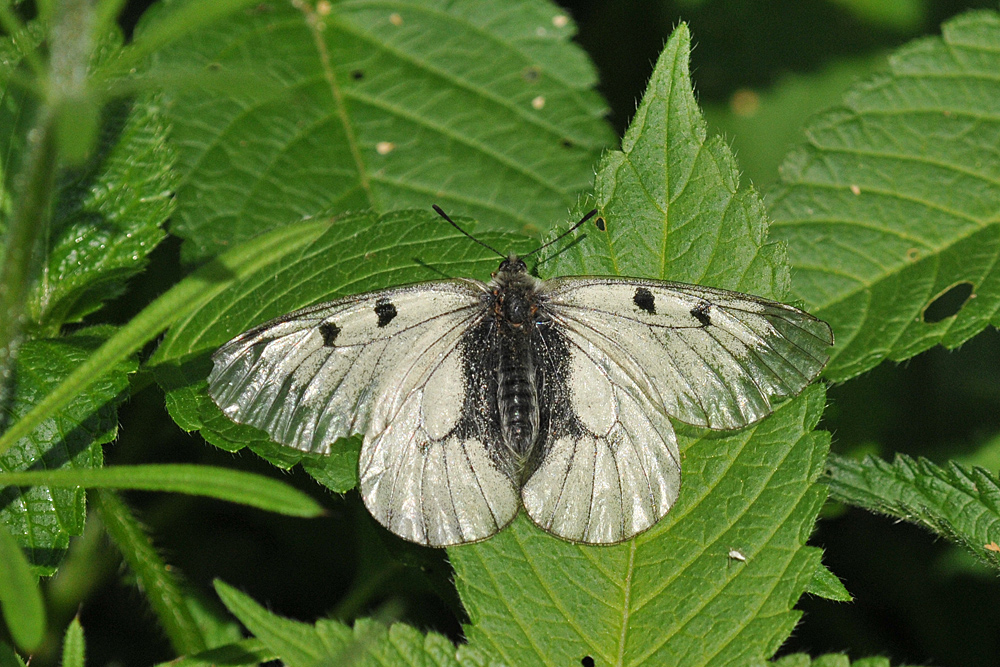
pixel 600 223
pixel 358 74
pixel 948 303
pixel 587 661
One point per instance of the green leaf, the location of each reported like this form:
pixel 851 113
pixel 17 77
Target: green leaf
pixel 20 598
pixel 373 106
pixel 672 202
pixel 672 595
pixel 826 584
pixel 245 652
pixel 960 503
pixel 893 200
pixel 357 253
pixel 108 216
pixel 368 643
pixel 108 212
pixel 9 657
pixel 41 518
pixel 163 588
pixel 232 485
pixel 74 646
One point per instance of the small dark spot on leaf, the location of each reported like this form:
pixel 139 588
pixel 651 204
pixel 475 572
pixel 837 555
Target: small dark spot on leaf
pixel 700 313
pixel 358 74
pixel 948 303
pixel 214 67
pixel 587 661
pixel 329 331
pixel 531 73
pixel 386 312
pixel 567 143
pixel 601 223
pixel 644 299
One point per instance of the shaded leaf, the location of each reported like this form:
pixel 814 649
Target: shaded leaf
pixel 74 646
pixel 20 597
pixel 826 584
pixel 894 199
pixel 959 503
pixel 233 485
pixel 329 642
pixel 360 105
pixel 41 518
pixel 108 211
pixel 245 652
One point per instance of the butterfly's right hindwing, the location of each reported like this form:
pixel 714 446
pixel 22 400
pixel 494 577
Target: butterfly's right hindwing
pixel 311 377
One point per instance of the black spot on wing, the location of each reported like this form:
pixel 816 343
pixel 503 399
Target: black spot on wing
pixel 386 312
pixel 701 313
pixel 329 331
pixel 644 300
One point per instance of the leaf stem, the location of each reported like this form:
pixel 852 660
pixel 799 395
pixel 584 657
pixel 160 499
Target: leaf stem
pixel 35 185
pixel 161 586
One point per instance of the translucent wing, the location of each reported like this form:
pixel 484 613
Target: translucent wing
pixel 610 467
pixel 311 377
pixel 706 356
pixel 390 365
pixel 431 468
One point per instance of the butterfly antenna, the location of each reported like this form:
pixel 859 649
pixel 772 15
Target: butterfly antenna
pixel 563 235
pixel 455 225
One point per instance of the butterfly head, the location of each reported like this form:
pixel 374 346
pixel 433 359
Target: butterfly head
pixel 511 266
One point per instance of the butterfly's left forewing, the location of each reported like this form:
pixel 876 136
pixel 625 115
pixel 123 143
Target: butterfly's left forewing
pixel 609 466
pixel 705 356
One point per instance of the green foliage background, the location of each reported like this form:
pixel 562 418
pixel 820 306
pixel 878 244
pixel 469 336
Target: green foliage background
pixel 201 167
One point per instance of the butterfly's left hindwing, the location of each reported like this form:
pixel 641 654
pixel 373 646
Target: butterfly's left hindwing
pixel 609 466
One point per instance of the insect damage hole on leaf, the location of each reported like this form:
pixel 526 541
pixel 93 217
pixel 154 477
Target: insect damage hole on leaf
pixel 948 302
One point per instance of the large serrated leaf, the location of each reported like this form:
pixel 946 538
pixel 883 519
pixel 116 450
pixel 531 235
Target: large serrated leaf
pixel 363 105
pixel 42 519
pixel 673 595
pixel 676 595
pixel 895 198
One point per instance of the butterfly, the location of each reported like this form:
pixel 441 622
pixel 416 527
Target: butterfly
pixel 479 399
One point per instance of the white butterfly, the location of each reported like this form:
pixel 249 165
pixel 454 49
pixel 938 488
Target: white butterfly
pixel 476 399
